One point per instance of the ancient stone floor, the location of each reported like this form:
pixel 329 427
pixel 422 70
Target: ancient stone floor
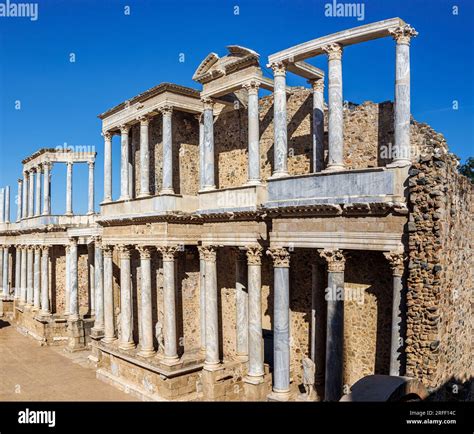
pixel 30 372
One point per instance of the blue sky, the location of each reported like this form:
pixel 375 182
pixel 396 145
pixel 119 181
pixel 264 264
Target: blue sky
pixel 118 56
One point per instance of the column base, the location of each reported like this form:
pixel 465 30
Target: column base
pixel 126 346
pixel 76 336
pixel 90 213
pixel 242 357
pixel 167 192
pixel 146 353
pixel 334 168
pixel 106 201
pixel 124 198
pixel 143 195
pixel 399 163
pixel 215 366
pixel 254 379
pixel 68 214
pixel 108 340
pixel 207 188
pixel 45 314
pixel 170 361
pixel 97 333
pixel 251 182
pixel 281 396
pixel 279 174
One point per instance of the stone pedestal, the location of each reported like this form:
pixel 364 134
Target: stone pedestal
pixel 76 335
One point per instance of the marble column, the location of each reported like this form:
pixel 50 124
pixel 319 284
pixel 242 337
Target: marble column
pixel 2 205
pixel 146 314
pixel 17 271
pixel 335 102
pixel 99 287
pixel 2 289
pixel 7 204
pixel 37 278
pixel 107 166
pixel 318 320
pixel 45 303
pixel 67 280
pixel 39 172
pixel 169 301
pixel 280 129
pixel 202 296
pixel 46 188
pixel 207 149
pixel 124 160
pixel 6 271
pixel 109 320
pixel 335 324
pixel 24 199
pixel 19 200
pixel 144 157
pixel 29 276
pixel 253 133
pixel 212 361
pixel 23 279
pixel 90 207
pixel 254 266
pixel 31 192
pixel 318 124
pixel 73 282
pixel 69 166
pixel 241 305
pixel 126 310
pixel 402 36
pixel 91 274
pixel 167 184
pixel 396 260
pixel 202 163
pixel 281 322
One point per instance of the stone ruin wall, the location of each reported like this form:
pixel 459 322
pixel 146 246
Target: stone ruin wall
pixel 440 277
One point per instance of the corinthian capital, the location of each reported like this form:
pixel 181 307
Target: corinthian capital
pixel 254 255
pixel 317 84
pixel 334 51
pixel 168 252
pixel 252 87
pixel 280 256
pixel 124 129
pixel 107 135
pixel 124 251
pixel 208 103
pixel 278 68
pixel 208 252
pixel 166 110
pixel 403 34
pixel 335 259
pixel 107 250
pixel 396 261
pixel 145 252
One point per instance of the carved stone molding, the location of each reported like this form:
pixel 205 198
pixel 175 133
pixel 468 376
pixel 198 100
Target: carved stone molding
pixel 335 259
pixel 254 255
pixel 280 256
pixel 403 34
pixel 396 261
pixel 334 51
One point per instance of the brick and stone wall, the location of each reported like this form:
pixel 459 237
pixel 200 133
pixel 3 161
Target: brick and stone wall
pixel 440 275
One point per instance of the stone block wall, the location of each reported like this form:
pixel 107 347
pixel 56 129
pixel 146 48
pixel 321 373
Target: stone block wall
pixel 440 272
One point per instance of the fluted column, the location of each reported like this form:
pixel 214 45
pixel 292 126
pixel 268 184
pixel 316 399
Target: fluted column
pixel 212 324
pixel 126 310
pixel 69 166
pixel 335 101
pixel 254 265
pixel 202 296
pixel 17 271
pixel 396 260
pixel 402 36
pixel 39 172
pixel 242 306
pixel 29 276
pixel 318 124
pixel 46 188
pixel 7 204
pixel 107 166
pixel 45 302
pixel 37 278
pixel 90 208
pixel 124 160
pixel 335 324
pixel 23 279
pixel 208 144
pixel 146 314
pixel 73 281
pixel 144 157
pixel 109 321
pixel 281 322
pixel 280 129
pixel 19 199
pixel 253 133
pixel 99 287
pixel 31 192
pixel 24 199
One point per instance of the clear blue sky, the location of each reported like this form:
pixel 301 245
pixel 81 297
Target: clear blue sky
pixel 119 56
